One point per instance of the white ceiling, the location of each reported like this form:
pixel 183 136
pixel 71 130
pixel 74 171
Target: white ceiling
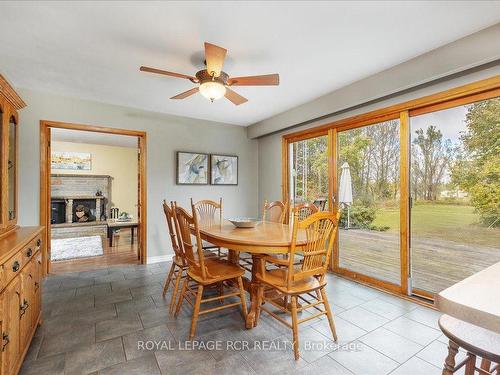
pixel 93 50
pixel 79 136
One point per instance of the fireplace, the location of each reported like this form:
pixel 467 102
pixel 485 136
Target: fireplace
pixel 85 210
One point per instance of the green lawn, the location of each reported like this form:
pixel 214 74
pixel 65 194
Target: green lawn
pixel 440 221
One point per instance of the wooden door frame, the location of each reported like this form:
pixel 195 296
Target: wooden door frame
pixel 45 172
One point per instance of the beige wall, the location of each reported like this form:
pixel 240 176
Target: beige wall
pixel 118 162
pixel 166 134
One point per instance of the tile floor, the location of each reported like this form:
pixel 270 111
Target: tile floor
pixel 93 322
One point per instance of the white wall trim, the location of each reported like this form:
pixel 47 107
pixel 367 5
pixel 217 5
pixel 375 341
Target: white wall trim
pixel 160 258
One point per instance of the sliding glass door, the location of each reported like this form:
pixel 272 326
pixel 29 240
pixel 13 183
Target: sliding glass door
pixel 368 192
pixel 454 190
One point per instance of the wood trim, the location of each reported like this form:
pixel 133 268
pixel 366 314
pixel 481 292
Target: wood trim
pixel 404 218
pixel 375 116
pixel 45 127
pixel 334 178
pixel 368 279
pixel 456 102
pixel 285 170
pixel 10 94
pixel 92 128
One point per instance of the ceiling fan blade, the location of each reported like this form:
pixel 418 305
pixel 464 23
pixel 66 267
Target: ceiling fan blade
pixel 263 80
pixel 237 99
pixel 166 73
pixel 214 56
pixel 185 94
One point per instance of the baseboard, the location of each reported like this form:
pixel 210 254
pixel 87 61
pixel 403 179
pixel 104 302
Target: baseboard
pixel 160 258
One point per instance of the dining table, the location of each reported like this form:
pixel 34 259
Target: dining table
pixel 263 239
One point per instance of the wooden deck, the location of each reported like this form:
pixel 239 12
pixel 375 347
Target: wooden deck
pixel 436 264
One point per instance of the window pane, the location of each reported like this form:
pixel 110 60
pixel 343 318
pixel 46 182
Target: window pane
pixel 309 172
pixel 455 190
pixel 369 228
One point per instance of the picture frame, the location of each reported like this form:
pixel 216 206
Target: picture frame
pixel 223 169
pixel 68 160
pixel 192 168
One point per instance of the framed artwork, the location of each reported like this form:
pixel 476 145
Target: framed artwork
pixel 224 169
pixel 71 160
pixel 192 168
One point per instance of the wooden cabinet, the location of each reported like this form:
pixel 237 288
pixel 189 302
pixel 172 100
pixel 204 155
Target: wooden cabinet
pixel 20 248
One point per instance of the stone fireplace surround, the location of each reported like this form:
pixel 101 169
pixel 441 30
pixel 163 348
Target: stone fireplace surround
pixel 73 187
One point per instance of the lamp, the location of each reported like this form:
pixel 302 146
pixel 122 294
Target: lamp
pixel 212 90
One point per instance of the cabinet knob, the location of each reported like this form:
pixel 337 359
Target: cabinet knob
pixel 6 340
pixel 39 242
pixel 29 253
pixel 16 266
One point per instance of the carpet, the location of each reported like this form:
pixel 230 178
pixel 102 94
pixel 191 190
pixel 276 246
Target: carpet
pixel 79 247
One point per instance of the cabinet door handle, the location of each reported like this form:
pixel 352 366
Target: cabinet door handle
pixel 16 266
pixel 39 243
pixel 37 285
pixel 6 340
pixel 29 253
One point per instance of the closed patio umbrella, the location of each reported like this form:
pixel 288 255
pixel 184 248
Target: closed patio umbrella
pixel 345 190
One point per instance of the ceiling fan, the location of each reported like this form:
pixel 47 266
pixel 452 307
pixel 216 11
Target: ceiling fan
pixel 213 82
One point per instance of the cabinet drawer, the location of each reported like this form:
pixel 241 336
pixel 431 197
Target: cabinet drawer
pixel 13 266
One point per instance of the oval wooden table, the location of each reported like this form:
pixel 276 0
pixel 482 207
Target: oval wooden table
pixel 265 238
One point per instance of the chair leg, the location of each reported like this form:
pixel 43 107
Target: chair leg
pixel 196 311
pixel 168 279
pixel 221 291
pixel 449 362
pixel 181 298
pixel 178 278
pixel 485 364
pixel 242 297
pixel 295 328
pixel 470 366
pixel 329 314
pixel 260 298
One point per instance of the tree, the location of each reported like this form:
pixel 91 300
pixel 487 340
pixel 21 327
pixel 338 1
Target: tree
pixel 478 170
pixel 431 158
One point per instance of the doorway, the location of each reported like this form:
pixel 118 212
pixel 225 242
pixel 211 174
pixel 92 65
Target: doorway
pixel 93 209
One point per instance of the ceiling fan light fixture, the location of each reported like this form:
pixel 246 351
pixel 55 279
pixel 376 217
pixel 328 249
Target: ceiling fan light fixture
pixel 212 90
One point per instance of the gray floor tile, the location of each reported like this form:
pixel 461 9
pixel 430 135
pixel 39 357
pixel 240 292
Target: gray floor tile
pixel 66 340
pixel 70 305
pixel 115 327
pixel 392 345
pixel 324 366
pixel 364 360
pixel 346 332
pixel 384 309
pixel 416 366
pixel 53 365
pixel 146 290
pixel 113 297
pixel 95 290
pixel 156 316
pixel 425 316
pixel 140 366
pixel 135 305
pixel 94 357
pixel 436 352
pixel 363 318
pixel 148 340
pixel 344 300
pixel 412 330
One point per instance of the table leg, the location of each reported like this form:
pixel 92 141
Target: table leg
pixel 254 287
pixel 110 236
pixel 131 235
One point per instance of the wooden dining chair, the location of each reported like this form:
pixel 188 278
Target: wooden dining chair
pixel 179 266
pixel 203 273
pixel 275 211
pixel 209 212
pixel 307 280
pixel 304 210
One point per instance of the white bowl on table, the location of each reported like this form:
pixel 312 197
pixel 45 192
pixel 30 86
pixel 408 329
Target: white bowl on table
pixel 244 222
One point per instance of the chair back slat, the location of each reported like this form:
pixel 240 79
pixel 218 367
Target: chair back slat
pixel 275 211
pixel 172 229
pixel 208 212
pixel 304 210
pixel 193 253
pixel 320 230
